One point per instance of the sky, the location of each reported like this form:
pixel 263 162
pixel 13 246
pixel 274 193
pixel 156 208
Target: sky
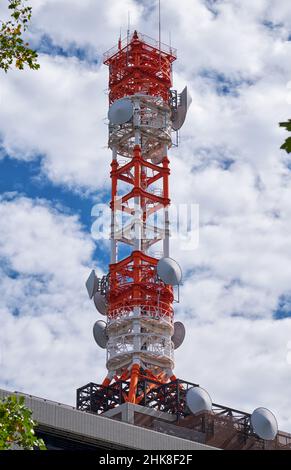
pixel 235 300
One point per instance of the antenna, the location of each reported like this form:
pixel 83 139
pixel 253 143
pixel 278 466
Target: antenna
pixel 198 400
pixel 160 31
pixel 120 111
pixel 169 271
pixel 179 334
pixel 128 34
pixel 100 303
pixel 264 423
pixel 92 284
pixel 119 40
pixel 99 333
pixel 182 109
pixel 160 25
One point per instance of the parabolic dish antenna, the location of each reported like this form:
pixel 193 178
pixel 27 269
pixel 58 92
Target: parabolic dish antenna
pixel 169 271
pixel 120 111
pixel 198 400
pixel 99 333
pixel 100 303
pixel 264 423
pixel 179 334
pixel 92 284
pixel 181 112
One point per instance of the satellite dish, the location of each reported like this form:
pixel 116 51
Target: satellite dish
pixel 181 112
pixel 100 303
pixel 264 423
pixel 92 284
pixel 99 333
pixel 120 111
pixel 179 334
pixel 198 400
pixel 169 271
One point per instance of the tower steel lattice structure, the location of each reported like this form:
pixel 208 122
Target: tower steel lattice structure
pixel 140 304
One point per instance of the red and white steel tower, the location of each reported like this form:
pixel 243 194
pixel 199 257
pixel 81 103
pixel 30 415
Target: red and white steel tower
pixel 137 294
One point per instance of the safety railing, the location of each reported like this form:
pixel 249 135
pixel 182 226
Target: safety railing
pixel 147 40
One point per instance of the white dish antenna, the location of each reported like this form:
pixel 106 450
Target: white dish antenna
pixel 264 423
pixel 169 271
pixel 99 333
pixel 181 112
pixel 179 334
pixel 92 284
pixel 120 111
pixel 198 400
pixel 100 303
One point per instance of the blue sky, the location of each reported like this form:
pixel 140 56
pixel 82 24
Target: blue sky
pixel 54 166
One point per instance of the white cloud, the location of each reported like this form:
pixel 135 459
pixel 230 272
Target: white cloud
pixel 242 363
pixel 89 22
pixel 57 113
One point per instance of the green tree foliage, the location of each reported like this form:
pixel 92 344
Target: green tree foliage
pixel 17 425
pixel 287 144
pixel 14 51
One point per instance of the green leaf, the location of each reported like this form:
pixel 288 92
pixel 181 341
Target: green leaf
pixel 13 50
pixel 287 145
pixel 17 426
pixel 287 125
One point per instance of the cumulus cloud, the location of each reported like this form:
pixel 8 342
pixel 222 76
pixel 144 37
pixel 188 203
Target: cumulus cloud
pixel 46 319
pixel 242 363
pixel 87 23
pixel 57 113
